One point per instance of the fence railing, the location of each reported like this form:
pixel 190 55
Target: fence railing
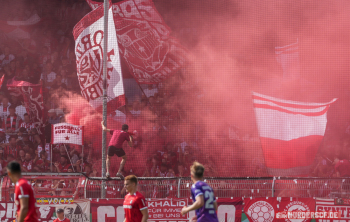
pixel 77 185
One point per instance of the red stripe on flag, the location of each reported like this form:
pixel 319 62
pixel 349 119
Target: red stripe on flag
pixel 264 106
pixel 282 154
pixel 290 104
pixel 87 21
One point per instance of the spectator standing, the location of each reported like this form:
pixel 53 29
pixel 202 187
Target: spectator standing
pixel 27 124
pixel 12 121
pixel 42 164
pixel 21 110
pixel 53 118
pixel 27 164
pixel 12 148
pixel 48 76
pixel 342 167
pixel 4 108
pixel 6 57
pixel 63 166
pixel 150 91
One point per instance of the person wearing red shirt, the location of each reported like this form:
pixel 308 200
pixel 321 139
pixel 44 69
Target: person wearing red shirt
pixel 116 146
pixel 134 205
pixel 60 216
pixel 63 166
pixel 24 195
pixel 342 167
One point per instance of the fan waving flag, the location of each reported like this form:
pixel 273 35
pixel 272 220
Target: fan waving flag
pixel 144 40
pixel 290 133
pixel 89 35
pixel 32 96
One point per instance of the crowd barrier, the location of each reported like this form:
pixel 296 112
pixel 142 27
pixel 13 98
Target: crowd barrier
pixel 80 197
pixel 78 186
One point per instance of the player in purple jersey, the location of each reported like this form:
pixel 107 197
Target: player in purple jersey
pixel 203 197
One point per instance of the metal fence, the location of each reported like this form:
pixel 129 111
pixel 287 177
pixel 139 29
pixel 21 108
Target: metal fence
pixel 74 185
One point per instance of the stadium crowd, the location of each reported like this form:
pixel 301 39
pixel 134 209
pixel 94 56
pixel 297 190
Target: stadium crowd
pixel 48 57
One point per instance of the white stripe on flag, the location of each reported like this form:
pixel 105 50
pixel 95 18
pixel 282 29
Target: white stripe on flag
pixel 300 110
pixel 286 126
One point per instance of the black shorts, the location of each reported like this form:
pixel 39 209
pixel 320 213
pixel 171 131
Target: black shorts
pixel 114 150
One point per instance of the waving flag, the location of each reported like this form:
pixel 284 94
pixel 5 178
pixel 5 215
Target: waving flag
pixel 88 35
pixel 288 57
pixel 32 96
pixel 290 133
pixel 144 41
pixel 19 29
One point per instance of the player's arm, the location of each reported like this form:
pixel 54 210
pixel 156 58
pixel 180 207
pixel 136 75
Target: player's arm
pixel 24 208
pixel 104 128
pixel 130 141
pixel 216 206
pixel 144 215
pixel 196 205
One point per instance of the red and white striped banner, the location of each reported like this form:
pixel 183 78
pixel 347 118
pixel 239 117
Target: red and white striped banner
pixel 290 133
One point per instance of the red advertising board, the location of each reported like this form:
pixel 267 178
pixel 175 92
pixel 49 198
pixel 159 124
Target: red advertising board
pixel 163 210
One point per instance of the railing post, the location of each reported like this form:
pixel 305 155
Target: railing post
pixel 178 188
pixel 273 187
pixel 86 182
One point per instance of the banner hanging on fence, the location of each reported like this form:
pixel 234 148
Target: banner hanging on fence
pixel 229 210
pixel 89 36
pixel 75 212
pixel 292 204
pixel 334 205
pixel 67 133
pixel 290 133
pixel 261 209
pixel 144 41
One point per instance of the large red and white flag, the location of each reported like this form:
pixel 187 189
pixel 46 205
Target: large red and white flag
pixel 290 133
pixel 32 96
pixel 89 35
pixel 67 133
pixel 19 29
pixel 144 41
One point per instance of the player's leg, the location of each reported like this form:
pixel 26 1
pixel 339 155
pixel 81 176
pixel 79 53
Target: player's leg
pixel 108 162
pixel 122 163
pixel 110 153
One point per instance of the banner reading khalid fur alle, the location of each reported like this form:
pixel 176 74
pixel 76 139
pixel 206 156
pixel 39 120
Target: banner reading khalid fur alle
pixel 88 35
pixel 144 40
pixel 290 133
pixel 229 210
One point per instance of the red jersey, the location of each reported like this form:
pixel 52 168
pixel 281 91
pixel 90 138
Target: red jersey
pixel 64 220
pixel 23 189
pixel 118 138
pixel 64 169
pixel 133 204
pixel 343 166
pixel 28 165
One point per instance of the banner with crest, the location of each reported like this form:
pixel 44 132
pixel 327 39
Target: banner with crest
pixel 88 35
pixel 144 41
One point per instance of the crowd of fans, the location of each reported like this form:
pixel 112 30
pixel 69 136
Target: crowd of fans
pixel 48 57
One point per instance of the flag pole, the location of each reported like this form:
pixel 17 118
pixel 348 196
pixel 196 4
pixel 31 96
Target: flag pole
pixel 104 110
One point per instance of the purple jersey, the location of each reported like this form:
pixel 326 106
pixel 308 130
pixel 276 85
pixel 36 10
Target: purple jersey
pixel 207 212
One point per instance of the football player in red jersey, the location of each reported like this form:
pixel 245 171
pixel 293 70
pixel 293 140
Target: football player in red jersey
pixel 134 203
pixel 60 216
pixel 24 195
